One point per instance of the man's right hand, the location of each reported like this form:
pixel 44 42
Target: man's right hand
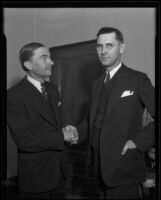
pixel 70 134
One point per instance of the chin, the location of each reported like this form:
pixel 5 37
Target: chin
pixel 105 63
pixel 49 74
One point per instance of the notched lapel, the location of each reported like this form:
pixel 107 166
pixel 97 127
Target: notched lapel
pixel 36 100
pixel 119 84
pixel 96 96
pixel 115 96
pixel 54 100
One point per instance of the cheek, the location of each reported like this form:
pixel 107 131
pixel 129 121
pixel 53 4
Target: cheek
pixel 99 55
pixel 39 69
pixel 115 55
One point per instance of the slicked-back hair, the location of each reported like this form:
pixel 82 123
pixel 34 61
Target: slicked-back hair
pixel 106 30
pixel 27 51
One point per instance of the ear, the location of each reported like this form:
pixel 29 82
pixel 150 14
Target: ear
pixel 28 65
pixel 122 48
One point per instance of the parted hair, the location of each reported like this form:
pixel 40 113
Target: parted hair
pixel 106 30
pixel 27 51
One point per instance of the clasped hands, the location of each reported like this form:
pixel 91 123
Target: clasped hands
pixel 70 134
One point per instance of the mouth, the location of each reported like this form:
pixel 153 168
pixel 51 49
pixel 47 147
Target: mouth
pixel 105 58
pixel 48 70
pixel 48 67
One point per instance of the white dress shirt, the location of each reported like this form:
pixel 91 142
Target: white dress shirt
pixel 112 72
pixel 36 83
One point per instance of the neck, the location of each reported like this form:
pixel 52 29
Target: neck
pixel 110 68
pixel 40 79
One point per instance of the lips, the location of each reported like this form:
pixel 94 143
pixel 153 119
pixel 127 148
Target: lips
pixel 48 70
pixel 48 67
pixel 105 58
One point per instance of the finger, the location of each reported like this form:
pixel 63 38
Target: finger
pixel 67 128
pixel 70 136
pixel 76 133
pixel 74 142
pixel 69 140
pixel 72 127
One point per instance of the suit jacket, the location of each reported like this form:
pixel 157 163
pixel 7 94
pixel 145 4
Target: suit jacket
pixel 36 130
pixel 123 121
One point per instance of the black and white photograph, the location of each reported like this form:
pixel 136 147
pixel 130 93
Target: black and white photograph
pixel 80 103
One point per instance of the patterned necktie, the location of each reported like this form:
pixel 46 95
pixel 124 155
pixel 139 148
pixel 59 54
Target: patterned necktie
pixel 107 78
pixel 44 92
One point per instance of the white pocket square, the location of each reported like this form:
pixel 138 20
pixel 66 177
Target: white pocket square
pixel 127 93
pixel 59 103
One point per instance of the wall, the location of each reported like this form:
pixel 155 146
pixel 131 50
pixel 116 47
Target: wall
pixel 60 26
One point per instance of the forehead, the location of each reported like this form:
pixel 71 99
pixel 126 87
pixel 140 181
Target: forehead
pixel 106 38
pixel 41 51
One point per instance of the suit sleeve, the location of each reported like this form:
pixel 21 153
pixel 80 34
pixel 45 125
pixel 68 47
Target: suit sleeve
pixel 146 137
pixel 27 137
pixel 83 129
pixel 84 126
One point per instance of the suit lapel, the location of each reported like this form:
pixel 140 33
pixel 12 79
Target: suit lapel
pixel 118 83
pixel 54 100
pixel 96 94
pixel 35 99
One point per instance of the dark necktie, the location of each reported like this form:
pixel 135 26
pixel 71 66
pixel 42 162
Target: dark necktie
pixel 44 92
pixel 107 78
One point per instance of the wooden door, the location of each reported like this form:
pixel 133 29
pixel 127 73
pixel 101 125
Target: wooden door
pixel 76 68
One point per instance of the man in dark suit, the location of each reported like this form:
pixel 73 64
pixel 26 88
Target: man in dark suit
pixel 33 117
pixel 117 139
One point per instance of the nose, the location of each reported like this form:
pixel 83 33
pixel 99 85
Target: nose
pixel 104 50
pixel 51 62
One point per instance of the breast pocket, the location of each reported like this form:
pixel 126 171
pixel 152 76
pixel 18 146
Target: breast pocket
pixel 126 98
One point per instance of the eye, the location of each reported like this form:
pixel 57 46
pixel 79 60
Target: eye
pixel 109 46
pixel 44 58
pixel 99 47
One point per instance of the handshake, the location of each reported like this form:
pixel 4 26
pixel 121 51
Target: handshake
pixel 70 134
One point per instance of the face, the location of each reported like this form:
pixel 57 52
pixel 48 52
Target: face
pixel 40 64
pixel 109 50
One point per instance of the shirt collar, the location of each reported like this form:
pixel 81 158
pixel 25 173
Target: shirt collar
pixel 112 72
pixel 36 83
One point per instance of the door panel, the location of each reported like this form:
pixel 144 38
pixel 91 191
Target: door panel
pixel 76 68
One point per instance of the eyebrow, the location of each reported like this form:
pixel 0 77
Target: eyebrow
pixel 105 43
pixel 45 55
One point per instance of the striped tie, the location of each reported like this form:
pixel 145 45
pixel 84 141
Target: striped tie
pixel 107 78
pixel 44 92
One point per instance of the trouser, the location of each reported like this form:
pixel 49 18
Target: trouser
pixel 122 192
pixel 60 192
pixel 105 192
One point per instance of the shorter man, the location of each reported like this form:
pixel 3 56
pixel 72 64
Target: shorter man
pixel 35 125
